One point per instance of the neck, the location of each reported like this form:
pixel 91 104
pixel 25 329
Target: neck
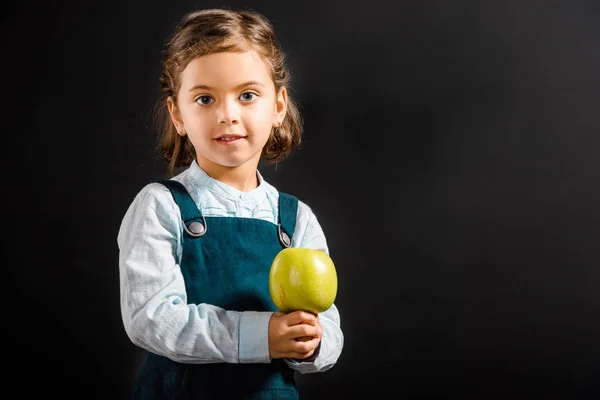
pixel 244 177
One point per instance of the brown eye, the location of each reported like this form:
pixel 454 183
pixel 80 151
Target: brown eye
pixel 204 100
pixel 247 96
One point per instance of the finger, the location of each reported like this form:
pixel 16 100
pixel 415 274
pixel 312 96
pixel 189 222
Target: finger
pixel 318 323
pixel 300 317
pixel 303 347
pixel 301 330
pixel 300 356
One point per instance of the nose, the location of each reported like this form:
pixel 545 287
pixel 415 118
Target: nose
pixel 228 113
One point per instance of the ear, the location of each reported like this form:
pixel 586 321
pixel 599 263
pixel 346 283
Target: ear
pixel 281 103
pixel 175 116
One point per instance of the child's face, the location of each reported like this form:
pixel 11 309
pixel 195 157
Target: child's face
pixel 227 105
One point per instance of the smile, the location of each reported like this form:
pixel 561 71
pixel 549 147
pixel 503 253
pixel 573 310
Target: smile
pixel 229 138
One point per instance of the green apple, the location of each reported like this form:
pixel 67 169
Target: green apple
pixel 303 279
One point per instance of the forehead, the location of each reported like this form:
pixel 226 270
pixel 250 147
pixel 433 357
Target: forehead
pixel 226 70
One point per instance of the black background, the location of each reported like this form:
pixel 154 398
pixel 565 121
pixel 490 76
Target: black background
pixel 451 155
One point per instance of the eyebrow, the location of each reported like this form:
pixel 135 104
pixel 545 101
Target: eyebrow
pixel 249 83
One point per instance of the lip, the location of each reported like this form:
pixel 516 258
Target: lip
pixel 230 136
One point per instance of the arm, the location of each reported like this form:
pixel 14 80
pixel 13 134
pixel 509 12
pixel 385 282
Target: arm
pixel 309 234
pixel 154 306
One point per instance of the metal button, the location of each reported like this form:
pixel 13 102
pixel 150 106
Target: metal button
pixel 196 229
pixel 283 237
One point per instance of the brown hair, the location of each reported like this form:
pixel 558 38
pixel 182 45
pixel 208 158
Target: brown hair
pixel 215 31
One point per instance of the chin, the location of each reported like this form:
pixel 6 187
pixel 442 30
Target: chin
pixel 231 163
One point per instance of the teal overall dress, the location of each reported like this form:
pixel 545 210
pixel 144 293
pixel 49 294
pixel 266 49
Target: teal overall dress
pixel 225 262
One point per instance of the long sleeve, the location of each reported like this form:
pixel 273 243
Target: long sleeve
pixel 154 306
pixel 310 235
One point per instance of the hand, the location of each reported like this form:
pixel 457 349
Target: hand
pixel 294 335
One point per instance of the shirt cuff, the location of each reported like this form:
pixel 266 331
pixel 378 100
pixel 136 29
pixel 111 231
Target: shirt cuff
pixel 254 337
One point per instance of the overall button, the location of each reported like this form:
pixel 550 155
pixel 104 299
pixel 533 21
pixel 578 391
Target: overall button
pixel 284 238
pixel 196 229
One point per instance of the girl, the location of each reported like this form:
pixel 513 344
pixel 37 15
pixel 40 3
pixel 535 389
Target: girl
pixel 195 250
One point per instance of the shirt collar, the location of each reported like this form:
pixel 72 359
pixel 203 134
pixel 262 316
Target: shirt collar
pixel 203 180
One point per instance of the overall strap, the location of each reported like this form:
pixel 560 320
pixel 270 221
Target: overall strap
pixel 190 213
pixel 288 209
pixel 189 210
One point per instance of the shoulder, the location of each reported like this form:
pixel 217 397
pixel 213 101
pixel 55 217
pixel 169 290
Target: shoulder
pixel 153 201
pixel 158 194
pixel 153 209
pixel 153 193
pixel 304 212
pixel 309 232
pixel 272 192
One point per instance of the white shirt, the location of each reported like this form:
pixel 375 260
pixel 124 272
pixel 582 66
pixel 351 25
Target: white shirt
pixel 154 307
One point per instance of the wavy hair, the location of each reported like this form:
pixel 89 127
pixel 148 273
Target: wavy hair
pixel 215 31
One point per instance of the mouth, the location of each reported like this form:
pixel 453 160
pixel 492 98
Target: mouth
pixel 229 138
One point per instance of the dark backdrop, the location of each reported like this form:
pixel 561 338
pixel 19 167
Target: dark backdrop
pixel 451 155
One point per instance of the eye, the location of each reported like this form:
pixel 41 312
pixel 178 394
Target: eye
pixel 247 96
pixel 204 100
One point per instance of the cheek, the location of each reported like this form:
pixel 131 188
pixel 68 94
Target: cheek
pixel 198 119
pixel 265 118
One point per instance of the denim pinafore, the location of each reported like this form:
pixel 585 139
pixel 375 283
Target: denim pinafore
pixel 225 262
